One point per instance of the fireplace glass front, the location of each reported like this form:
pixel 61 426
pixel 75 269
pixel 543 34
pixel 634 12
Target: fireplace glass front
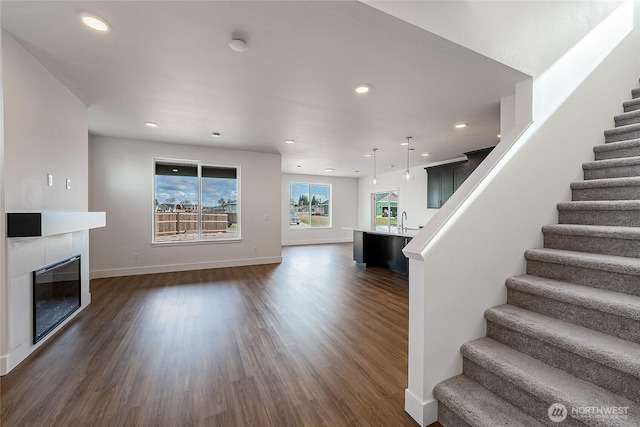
pixel 56 295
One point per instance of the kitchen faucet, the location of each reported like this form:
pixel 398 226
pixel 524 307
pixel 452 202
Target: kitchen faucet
pixel 402 218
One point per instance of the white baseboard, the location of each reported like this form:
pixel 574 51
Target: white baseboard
pixel 152 269
pixel 424 413
pixel 317 242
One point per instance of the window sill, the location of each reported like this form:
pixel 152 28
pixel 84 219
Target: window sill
pixel 196 242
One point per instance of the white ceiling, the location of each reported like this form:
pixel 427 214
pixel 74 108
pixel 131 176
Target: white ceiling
pixel 170 63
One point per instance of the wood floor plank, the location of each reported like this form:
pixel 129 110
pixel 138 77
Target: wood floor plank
pixel 313 341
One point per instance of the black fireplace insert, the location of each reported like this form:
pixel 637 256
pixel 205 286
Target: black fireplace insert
pixel 56 295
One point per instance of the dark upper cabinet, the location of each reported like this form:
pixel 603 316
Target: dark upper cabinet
pixel 444 180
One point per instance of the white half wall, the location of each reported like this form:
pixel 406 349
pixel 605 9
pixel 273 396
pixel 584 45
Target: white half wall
pixel 344 198
pixel 122 186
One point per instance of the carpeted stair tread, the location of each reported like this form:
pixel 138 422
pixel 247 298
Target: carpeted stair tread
pixel 611 263
pixel 620 211
pixel 624 188
pixel 631 105
pixel 618 149
pixel 612 146
pixel 622 133
pixel 600 205
pixel 547 383
pixel 614 352
pixel 626 181
pixel 612 168
pixel 611 163
pixel 608 231
pixel 478 406
pixel 616 303
pixel 597 239
pixel 626 118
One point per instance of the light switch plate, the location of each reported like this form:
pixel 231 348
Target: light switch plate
pixel 68 184
pixel 50 180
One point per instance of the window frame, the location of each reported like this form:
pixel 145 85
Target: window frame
pixel 199 165
pixel 309 195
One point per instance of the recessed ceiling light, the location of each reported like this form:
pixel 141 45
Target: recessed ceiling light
pixel 404 143
pixel 238 45
pixel 424 154
pixel 461 126
pixel 95 23
pixel 499 135
pixel 151 124
pixel 290 141
pixel 356 171
pixel 299 166
pixel 368 155
pixel 329 169
pixel 216 134
pixel 362 89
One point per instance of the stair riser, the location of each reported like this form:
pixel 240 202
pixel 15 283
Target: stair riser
pixel 604 376
pixel 447 418
pixel 627 121
pixel 594 245
pixel 606 193
pixel 612 172
pixel 635 93
pixel 618 154
pixel 607 323
pixel 625 283
pixel 512 393
pixel 622 136
pixel 630 218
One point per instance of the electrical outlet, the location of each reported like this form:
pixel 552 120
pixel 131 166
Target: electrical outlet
pixel 136 256
pixel 50 180
pixel 267 217
pixel 255 249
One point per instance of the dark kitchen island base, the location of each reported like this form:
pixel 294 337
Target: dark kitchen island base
pixel 381 250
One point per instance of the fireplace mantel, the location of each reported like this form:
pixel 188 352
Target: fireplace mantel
pixel 42 224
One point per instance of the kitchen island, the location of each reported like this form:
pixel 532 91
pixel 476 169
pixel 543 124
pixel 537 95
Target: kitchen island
pixel 382 246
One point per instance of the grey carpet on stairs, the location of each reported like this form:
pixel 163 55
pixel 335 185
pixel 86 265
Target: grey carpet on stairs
pixel 570 331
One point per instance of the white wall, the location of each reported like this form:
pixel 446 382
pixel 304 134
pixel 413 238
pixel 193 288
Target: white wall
pixel 3 215
pixel 45 131
pixel 584 61
pixel 121 184
pixel 344 210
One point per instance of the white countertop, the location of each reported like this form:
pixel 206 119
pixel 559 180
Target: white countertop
pixel 387 231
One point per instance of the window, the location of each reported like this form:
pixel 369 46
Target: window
pixel 195 201
pixel 386 209
pixel 310 205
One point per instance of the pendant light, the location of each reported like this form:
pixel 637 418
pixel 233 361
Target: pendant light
pixel 374 181
pixel 408 175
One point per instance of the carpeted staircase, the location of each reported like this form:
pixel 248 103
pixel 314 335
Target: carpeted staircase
pixel 570 331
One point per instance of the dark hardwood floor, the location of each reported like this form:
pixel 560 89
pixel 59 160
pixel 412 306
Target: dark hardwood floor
pixel 313 341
